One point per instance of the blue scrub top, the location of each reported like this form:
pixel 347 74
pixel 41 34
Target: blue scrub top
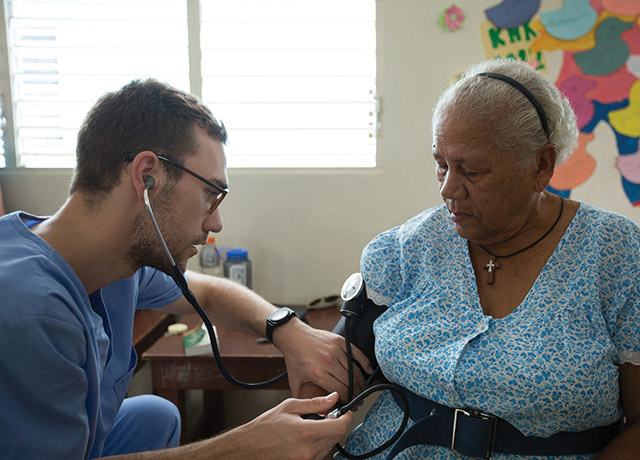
pixel 67 358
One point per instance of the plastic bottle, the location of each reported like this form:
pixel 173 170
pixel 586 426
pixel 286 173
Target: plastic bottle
pixel 209 260
pixel 237 266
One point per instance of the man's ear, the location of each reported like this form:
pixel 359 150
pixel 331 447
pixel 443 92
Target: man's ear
pixel 144 166
pixel 546 163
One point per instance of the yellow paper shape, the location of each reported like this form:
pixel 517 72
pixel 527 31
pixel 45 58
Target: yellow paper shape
pixel 577 169
pixel 627 121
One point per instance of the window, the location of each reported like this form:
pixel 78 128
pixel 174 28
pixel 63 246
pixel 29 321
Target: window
pixel 64 55
pixel 3 160
pixel 293 80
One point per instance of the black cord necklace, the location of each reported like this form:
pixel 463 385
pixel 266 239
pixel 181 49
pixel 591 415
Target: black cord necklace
pixel 493 265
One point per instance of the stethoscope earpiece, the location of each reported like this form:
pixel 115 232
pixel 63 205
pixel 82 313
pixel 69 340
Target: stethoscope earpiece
pixel 149 182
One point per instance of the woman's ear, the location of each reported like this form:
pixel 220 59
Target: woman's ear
pixel 546 161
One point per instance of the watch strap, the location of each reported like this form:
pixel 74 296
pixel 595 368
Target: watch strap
pixel 272 324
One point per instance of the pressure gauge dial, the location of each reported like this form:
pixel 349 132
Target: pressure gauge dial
pixel 352 287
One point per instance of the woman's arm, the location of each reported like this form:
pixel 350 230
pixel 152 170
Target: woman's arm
pixel 627 444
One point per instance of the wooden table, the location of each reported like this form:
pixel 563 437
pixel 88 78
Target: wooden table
pixel 244 358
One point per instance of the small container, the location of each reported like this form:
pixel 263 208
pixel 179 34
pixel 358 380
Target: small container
pixel 209 253
pixel 177 329
pixel 237 266
pixel 209 259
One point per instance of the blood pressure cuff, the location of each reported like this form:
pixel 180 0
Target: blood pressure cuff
pixel 361 326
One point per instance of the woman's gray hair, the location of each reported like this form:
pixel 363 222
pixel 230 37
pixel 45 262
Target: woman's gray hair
pixel 511 118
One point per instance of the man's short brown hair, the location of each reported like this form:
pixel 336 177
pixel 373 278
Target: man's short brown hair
pixel 142 115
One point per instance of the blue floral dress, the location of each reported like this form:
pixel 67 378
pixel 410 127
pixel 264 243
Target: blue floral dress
pixel 549 366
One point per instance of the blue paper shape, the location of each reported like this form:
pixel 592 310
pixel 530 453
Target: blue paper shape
pixel 575 19
pixel 512 13
pixel 626 145
pixel 601 113
pixel 610 52
pixel 631 190
pixel 563 193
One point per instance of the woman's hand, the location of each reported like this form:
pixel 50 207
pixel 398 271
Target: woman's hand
pixel 320 357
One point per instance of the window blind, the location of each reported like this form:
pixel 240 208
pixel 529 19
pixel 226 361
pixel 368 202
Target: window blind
pixel 3 159
pixel 66 54
pixel 293 80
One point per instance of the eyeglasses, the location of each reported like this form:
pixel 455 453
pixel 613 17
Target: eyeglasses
pixel 222 192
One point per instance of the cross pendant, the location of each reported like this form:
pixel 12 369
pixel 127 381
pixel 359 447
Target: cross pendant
pixel 491 268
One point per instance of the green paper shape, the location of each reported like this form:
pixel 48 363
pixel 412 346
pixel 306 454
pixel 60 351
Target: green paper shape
pixel 610 52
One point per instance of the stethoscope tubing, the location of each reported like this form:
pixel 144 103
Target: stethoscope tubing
pixel 181 282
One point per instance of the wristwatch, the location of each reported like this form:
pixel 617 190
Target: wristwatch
pixel 278 318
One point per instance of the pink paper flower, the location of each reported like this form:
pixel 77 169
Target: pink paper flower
pixel 452 18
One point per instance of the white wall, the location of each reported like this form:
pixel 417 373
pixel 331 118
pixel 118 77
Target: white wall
pixel 305 229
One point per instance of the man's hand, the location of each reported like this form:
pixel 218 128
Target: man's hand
pixel 282 433
pixel 320 357
pixel 279 434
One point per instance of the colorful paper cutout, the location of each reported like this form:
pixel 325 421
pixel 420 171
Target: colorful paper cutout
pixel 575 89
pixel 578 167
pixel 575 19
pixel 633 65
pixel 452 18
pixel 512 13
pixel 546 42
pixel 511 43
pixel 609 88
pixel 632 37
pixel 629 167
pixel 626 145
pixel 631 190
pixel 610 97
pixel 563 193
pixel 622 7
pixel 610 52
pixel 627 121
pixel 602 114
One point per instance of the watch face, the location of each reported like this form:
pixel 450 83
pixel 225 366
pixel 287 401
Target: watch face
pixel 280 314
pixel 352 287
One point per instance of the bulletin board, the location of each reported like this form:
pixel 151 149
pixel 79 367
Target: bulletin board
pixel 597 46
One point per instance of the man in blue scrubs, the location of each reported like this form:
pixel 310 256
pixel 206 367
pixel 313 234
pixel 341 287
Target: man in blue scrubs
pixel 70 285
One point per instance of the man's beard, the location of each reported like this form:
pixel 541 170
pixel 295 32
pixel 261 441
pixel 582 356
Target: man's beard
pixel 147 249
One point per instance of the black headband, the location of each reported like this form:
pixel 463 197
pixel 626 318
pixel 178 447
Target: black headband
pixel 523 89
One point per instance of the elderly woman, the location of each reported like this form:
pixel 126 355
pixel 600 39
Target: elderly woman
pixel 507 301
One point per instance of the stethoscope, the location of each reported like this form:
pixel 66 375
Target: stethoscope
pixel 180 280
pixel 351 292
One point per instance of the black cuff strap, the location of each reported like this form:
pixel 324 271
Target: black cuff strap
pixel 476 434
